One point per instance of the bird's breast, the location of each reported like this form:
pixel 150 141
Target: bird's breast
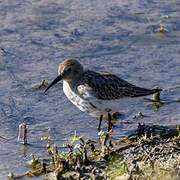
pixel 84 104
pixel 70 93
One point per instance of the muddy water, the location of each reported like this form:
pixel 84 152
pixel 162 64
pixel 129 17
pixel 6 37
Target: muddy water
pixel 119 37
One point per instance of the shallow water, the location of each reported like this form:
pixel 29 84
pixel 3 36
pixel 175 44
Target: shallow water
pixel 119 37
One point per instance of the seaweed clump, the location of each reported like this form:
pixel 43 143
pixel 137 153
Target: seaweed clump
pixel 152 152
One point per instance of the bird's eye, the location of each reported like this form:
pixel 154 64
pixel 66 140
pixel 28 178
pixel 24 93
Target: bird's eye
pixel 69 70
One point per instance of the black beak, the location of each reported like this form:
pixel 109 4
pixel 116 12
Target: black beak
pixel 54 82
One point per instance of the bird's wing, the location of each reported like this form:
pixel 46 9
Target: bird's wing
pixel 107 86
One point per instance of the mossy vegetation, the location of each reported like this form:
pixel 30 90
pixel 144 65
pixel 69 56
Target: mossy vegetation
pixel 162 29
pixel 152 152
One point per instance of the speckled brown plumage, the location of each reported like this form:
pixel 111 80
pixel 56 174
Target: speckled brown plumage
pixel 110 87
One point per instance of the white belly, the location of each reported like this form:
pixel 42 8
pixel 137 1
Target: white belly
pixel 96 107
pixel 84 105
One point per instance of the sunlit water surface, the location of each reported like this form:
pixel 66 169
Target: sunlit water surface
pixel 119 37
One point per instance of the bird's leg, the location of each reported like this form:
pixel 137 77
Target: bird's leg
pixel 109 121
pixel 100 120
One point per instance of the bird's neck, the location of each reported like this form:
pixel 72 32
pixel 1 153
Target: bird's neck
pixel 73 80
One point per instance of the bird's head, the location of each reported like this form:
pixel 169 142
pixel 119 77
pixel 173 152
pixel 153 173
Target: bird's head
pixel 69 71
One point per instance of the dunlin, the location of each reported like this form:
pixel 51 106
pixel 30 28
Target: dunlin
pixel 97 93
